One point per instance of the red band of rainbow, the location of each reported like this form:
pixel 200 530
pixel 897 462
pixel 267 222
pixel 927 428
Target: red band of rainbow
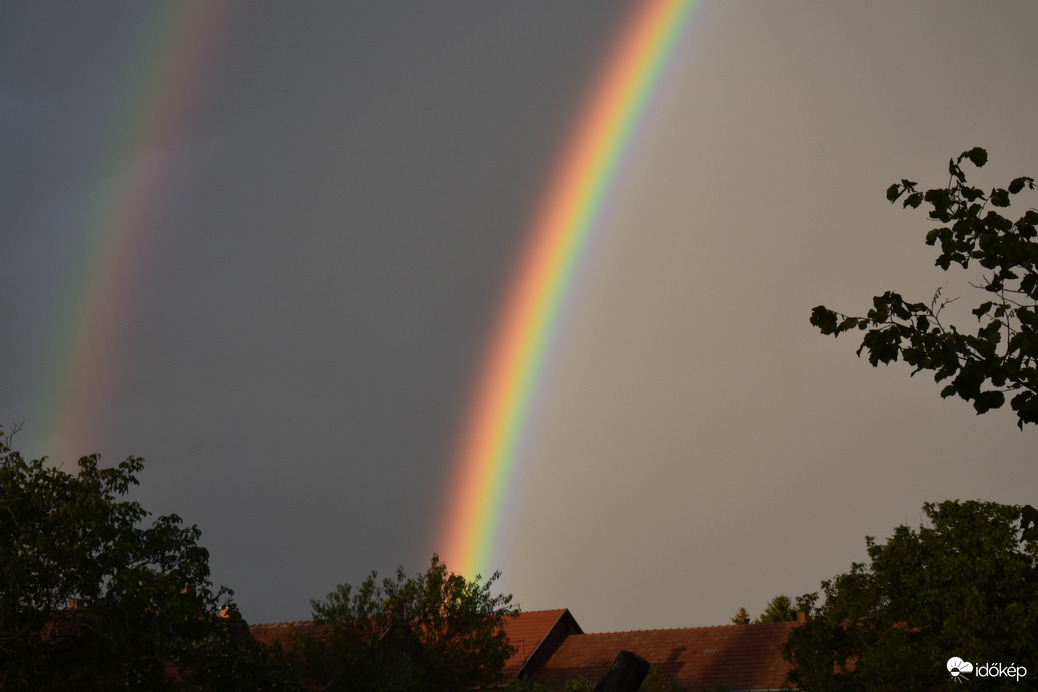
pixel 561 229
pixel 116 230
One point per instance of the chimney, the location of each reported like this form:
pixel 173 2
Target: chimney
pixel 801 616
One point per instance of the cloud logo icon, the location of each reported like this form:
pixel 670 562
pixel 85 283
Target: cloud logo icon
pixel 957 667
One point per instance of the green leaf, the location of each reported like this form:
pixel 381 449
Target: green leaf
pixel 893 192
pixel 982 309
pixel 847 324
pixel 1029 521
pixel 940 199
pixel 988 400
pixel 1000 197
pixel 977 155
pixel 1018 184
pixel 972 194
pixel 824 318
pixel 991 333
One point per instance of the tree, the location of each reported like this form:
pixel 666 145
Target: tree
pixel 779 609
pixel 658 680
pixel 436 632
pixel 92 599
pixel 228 659
pixel 1001 358
pixel 527 684
pixel 964 586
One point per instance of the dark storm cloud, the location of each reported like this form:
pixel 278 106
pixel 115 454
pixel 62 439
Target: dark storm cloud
pixel 342 207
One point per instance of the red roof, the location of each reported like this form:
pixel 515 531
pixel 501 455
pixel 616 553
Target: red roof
pixel 739 657
pixel 283 634
pixel 552 647
pixel 536 635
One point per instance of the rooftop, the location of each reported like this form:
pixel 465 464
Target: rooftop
pixel 739 657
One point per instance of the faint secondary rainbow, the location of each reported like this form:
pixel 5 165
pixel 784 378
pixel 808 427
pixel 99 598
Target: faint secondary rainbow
pixel 109 249
pixel 568 216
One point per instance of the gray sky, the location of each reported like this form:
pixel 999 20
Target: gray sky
pixel 340 202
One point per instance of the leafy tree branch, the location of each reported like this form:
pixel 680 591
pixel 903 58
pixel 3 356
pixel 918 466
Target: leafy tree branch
pixel 998 359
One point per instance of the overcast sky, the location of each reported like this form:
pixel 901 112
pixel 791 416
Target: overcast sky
pixel 330 221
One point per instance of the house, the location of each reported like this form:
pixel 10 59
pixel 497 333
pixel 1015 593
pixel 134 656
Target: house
pixel 552 648
pixel 536 636
pixel 735 657
pixel 283 634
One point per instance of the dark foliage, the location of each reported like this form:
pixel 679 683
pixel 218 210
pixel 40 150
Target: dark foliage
pixel 434 632
pixel 1000 358
pixel 965 586
pixel 91 598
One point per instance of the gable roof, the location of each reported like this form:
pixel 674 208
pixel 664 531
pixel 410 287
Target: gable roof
pixel 284 634
pixel 536 635
pixel 553 648
pixel 740 657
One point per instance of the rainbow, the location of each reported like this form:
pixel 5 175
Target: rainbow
pixel 568 217
pixel 116 229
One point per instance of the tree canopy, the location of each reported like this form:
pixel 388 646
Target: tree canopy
pixel 92 598
pixel 1001 357
pixel 779 609
pixel 964 585
pixel 435 632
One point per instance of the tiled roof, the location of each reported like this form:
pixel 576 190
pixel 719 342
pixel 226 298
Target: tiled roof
pixel 740 657
pixel 535 635
pixel 551 646
pixel 283 634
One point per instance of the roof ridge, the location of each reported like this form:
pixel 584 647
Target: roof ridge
pixel 700 627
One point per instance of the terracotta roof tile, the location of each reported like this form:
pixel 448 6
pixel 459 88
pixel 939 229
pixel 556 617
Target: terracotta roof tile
pixel 741 657
pixel 551 646
pixel 535 635
pixel 283 634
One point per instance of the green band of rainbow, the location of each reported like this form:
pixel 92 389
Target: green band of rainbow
pixel 562 227
pixel 117 226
